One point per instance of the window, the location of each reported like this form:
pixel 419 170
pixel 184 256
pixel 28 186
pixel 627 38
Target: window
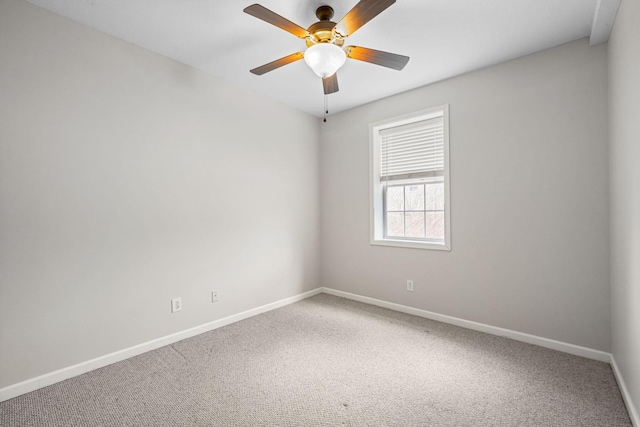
pixel 410 180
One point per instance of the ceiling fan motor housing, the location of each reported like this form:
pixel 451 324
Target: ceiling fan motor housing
pixel 323 30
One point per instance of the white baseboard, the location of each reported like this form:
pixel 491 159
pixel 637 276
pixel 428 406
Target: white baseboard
pixel 493 330
pixel 633 413
pixel 81 368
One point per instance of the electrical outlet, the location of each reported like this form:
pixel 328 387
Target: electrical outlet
pixel 410 285
pixel 214 296
pixel 176 304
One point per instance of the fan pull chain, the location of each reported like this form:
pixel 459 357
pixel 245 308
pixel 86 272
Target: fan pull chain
pixel 326 108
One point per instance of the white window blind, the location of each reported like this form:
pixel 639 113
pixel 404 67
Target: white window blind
pixel 414 150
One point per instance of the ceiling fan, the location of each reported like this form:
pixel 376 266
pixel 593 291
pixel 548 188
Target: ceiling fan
pixel 325 38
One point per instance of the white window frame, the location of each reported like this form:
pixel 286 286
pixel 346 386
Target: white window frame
pixel 377 188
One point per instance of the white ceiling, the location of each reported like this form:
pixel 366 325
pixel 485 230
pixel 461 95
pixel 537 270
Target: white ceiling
pixel 444 38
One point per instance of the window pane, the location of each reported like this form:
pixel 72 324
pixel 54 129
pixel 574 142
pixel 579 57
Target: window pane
pixel 435 225
pixel 395 224
pixel 414 224
pixel 395 198
pixel 435 196
pixel 414 197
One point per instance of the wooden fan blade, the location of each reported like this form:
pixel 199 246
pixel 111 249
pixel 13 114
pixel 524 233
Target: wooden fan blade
pixel 278 63
pixel 330 84
pixel 273 18
pixel 361 13
pixel 378 57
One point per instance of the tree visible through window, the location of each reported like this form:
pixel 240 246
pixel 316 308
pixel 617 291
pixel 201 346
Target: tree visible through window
pixel 415 210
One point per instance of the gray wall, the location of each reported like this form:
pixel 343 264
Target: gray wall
pixel 529 200
pixel 127 179
pixel 624 105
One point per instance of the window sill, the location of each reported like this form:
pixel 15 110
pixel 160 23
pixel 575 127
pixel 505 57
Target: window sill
pixel 413 244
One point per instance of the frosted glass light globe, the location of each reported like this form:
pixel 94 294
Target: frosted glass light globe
pixel 325 58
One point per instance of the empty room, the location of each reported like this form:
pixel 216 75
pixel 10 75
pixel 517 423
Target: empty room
pixel 319 213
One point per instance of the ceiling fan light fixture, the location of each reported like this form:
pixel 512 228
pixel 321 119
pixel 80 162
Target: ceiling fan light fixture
pixel 325 58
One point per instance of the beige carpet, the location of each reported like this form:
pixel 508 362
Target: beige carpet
pixel 327 361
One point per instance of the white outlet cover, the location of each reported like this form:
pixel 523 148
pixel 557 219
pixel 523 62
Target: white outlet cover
pixel 214 296
pixel 176 304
